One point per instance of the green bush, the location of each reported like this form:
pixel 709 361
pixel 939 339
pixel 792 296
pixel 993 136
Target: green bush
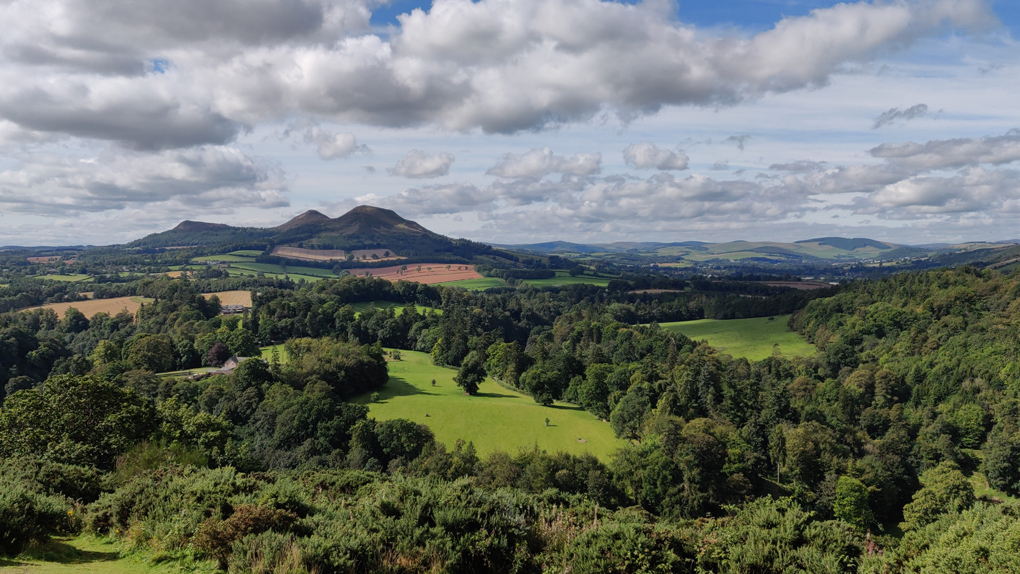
pixel 27 516
pixel 216 537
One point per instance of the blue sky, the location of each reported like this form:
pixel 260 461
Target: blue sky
pixel 514 121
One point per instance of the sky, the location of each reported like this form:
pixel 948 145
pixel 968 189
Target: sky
pixel 514 121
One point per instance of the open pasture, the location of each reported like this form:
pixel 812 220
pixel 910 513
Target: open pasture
pixel 70 278
pixel 752 339
pixel 480 284
pixel 398 308
pixel 563 278
pixel 495 419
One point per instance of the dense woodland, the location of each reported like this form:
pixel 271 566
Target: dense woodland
pixel 859 459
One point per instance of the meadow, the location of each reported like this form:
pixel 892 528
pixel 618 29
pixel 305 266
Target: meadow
pixel 564 278
pixel 85 555
pixel 476 284
pixel 71 278
pixel 496 418
pixel 398 308
pixel 749 338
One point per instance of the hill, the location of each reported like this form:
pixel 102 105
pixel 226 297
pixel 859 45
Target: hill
pixel 363 228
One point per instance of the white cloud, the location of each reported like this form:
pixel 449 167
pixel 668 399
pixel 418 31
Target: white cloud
pixel 419 165
pixel 647 155
pixel 205 177
pixel 539 163
pixel 173 74
pixel 333 146
pixel 942 154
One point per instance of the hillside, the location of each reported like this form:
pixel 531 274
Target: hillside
pixel 363 228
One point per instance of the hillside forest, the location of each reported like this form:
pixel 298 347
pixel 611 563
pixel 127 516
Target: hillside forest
pixel 895 447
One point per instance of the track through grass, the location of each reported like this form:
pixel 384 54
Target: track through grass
pixel 749 338
pixel 86 555
pixel 495 419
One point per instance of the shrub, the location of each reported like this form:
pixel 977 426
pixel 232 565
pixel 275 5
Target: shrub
pixel 217 537
pixel 27 516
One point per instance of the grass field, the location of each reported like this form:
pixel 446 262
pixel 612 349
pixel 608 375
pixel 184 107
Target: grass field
pixel 225 257
pixel 750 338
pixel 74 278
pixel 476 284
pixel 564 278
pixel 398 308
pixel 494 419
pixel 84 555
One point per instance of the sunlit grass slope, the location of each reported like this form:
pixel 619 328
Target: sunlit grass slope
pixel 750 338
pixel 495 419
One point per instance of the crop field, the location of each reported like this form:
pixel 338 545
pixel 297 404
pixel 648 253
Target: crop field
pixel 226 257
pixel 428 273
pixel 480 284
pixel 564 278
pixel 73 278
pixel 749 338
pixel 398 308
pixel 495 419
pixel 92 307
pixel 232 297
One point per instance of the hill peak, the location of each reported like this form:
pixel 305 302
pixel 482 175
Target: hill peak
pixel 192 226
pixel 368 219
pixel 310 216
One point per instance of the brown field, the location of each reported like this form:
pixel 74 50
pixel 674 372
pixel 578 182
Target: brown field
pixel 111 307
pixel 437 274
pixel 801 285
pixel 44 259
pixel 333 254
pixel 174 274
pixel 232 297
pixel 93 307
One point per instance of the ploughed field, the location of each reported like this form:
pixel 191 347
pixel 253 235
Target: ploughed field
pixel 753 339
pixel 496 418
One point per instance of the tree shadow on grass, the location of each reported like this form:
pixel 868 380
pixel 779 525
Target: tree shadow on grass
pixel 398 387
pixel 496 396
pixel 59 551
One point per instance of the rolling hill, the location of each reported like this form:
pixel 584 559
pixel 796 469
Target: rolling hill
pixel 363 228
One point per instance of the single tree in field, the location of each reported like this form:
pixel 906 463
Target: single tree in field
pixel 472 373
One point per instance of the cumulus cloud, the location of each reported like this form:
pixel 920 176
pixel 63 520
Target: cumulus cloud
pixel 164 74
pixel 895 114
pixel 539 163
pixel 420 165
pixel 204 177
pixel 333 146
pixel 648 155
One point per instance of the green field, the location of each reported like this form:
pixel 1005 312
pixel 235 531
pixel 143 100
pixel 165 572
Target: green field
pixel 476 284
pixel 74 278
pixel 494 419
pixel 85 555
pixel 226 257
pixel 750 338
pixel 246 253
pixel 564 278
pixel 398 308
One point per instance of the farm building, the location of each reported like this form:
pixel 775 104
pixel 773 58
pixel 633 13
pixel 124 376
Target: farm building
pixel 232 309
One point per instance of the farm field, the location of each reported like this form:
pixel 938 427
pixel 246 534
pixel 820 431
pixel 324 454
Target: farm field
pixel 398 308
pixel 232 297
pixel 92 307
pixel 429 273
pixel 73 278
pixel 495 419
pixel 113 306
pixel 225 257
pixel 749 338
pixel 564 278
pixel 479 284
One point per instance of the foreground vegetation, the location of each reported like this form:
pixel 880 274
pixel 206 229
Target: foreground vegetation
pixel 860 457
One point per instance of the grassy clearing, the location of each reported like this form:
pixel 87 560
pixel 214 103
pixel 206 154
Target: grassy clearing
pixel 246 253
pixel 476 284
pixel 72 278
pixel 495 419
pixel 290 269
pixel 563 278
pixel 398 308
pixel 750 338
pixel 84 555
